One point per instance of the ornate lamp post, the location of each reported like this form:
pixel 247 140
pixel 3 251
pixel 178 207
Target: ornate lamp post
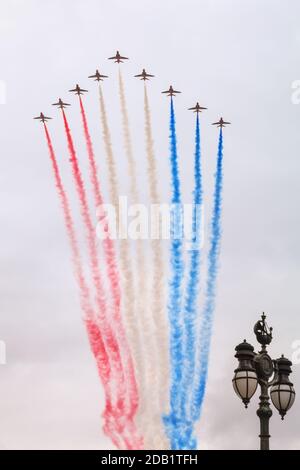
pixel 259 369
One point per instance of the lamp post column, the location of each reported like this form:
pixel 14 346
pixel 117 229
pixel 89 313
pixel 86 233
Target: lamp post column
pixel 264 413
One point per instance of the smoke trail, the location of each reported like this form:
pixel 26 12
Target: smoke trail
pixel 112 175
pixel 159 332
pixel 143 348
pixel 174 308
pixel 128 145
pixel 213 256
pixel 190 307
pixel 128 286
pixel 109 337
pixel 94 334
pixel 111 426
pixel 112 270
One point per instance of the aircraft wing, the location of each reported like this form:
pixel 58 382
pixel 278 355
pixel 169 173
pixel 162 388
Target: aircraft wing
pixel 93 76
pixel 121 57
pixel 44 118
pixel 139 75
pixel 111 58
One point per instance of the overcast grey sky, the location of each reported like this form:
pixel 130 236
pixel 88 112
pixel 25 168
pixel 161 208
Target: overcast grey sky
pixel 238 58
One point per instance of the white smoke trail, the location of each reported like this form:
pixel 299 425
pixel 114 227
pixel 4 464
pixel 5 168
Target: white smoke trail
pixel 128 284
pixel 145 321
pixel 157 305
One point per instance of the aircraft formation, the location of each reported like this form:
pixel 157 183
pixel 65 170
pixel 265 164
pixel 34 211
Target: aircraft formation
pixel 118 58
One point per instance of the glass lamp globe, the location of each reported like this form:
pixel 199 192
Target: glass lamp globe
pixel 245 384
pixel 282 391
pixel 283 397
pixel 245 378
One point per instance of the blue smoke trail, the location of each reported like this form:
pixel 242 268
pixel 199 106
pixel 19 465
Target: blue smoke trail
pixel 190 308
pixel 175 293
pixel 213 256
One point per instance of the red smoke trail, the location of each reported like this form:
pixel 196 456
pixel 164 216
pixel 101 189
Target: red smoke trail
pixel 107 242
pixel 112 345
pixel 110 427
pixel 95 338
pixel 113 274
pixel 108 335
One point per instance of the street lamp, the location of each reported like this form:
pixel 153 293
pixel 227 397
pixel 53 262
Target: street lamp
pixel 259 369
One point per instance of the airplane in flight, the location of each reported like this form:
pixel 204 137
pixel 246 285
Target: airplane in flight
pixel 197 109
pixel 144 75
pixel 78 91
pixel 98 76
pixel 221 123
pixel 171 91
pixel 61 104
pixel 42 118
pixel 118 58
